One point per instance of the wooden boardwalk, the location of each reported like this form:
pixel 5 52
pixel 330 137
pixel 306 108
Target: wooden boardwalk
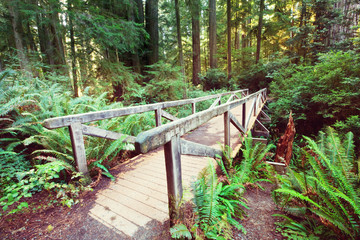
pixel 138 197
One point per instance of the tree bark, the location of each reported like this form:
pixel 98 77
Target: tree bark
pixel 228 11
pixel 152 28
pixel 73 52
pixel 178 30
pixel 212 33
pixel 195 23
pixel 258 43
pixel 18 36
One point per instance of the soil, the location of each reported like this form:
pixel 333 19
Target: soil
pixel 60 222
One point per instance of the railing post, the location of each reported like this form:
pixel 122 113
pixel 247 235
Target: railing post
pixel 244 116
pixel 193 107
pixel 77 142
pixel 173 175
pixel 158 116
pixel 226 130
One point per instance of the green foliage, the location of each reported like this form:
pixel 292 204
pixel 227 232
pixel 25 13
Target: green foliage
pixel 318 95
pixel 180 231
pixel 215 79
pixel 328 191
pixel 167 83
pixel 23 182
pixel 252 167
pixel 216 205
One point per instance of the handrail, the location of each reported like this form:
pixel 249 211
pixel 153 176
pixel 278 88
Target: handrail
pixel 66 121
pixel 156 137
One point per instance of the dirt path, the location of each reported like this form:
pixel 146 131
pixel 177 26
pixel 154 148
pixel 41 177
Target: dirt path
pixel 65 223
pixel 260 224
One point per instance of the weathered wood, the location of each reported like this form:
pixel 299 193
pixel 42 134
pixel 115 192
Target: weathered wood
pixel 251 111
pixel 158 113
pixel 197 149
pixel 244 116
pixel 65 121
pixel 102 133
pixel 262 140
pixel 173 176
pixel 236 123
pixel 264 117
pixel 168 116
pixel 226 129
pixel 77 141
pixel 216 102
pixel 231 98
pixel 193 107
pixel 261 126
pixel 157 137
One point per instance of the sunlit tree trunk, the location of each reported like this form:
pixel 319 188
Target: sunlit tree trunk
pixel 195 23
pixel 212 33
pixel 178 31
pixel 228 11
pixel 258 40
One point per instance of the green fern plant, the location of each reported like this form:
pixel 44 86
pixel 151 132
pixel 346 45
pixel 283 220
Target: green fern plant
pixel 329 191
pixel 216 205
pixel 252 168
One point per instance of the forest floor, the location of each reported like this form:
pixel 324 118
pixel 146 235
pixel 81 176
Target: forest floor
pixel 43 220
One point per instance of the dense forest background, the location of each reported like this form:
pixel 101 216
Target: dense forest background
pixel 74 56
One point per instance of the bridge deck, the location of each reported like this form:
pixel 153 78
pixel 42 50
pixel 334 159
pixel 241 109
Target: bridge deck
pixel 138 198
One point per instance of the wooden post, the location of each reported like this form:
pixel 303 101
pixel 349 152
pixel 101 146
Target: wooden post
pixel 173 175
pixel 78 147
pixel 244 116
pixel 226 130
pixel 193 107
pixel 158 116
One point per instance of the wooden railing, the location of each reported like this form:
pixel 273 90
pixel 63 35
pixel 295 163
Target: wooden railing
pixel 167 135
pixel 77 129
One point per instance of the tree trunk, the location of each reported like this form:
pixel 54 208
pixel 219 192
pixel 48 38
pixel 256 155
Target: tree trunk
pixel 178 30
pixel 152 28
pixel 258 43
pixel 18 36
pixel 212 33
pixel 195 23
pixel 228 11
pixel 73 52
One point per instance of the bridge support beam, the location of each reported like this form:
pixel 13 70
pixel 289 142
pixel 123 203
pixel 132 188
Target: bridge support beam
pixel 172 151
pixel 77 142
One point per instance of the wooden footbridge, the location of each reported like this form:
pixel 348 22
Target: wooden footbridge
pixel 152 184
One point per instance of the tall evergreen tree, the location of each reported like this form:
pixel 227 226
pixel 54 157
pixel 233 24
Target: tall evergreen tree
pixel 212 33
pixel 152 28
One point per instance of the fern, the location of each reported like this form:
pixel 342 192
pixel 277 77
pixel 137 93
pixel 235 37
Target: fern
pixel 180 231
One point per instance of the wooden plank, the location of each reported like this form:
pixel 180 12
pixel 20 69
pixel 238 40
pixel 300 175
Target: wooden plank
pixel 193 107
pixel 168 116
pixel 157 137
pixel 265 117
pixel 173 177
pixel 102 133
pixel 215 103
pixel 250 112
pixel 236 123
pixel 226 129
pixel 262 127
pixel 197 149
pixel 77 141
pixel 262 140
pixel 158 116
pixel 65 121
